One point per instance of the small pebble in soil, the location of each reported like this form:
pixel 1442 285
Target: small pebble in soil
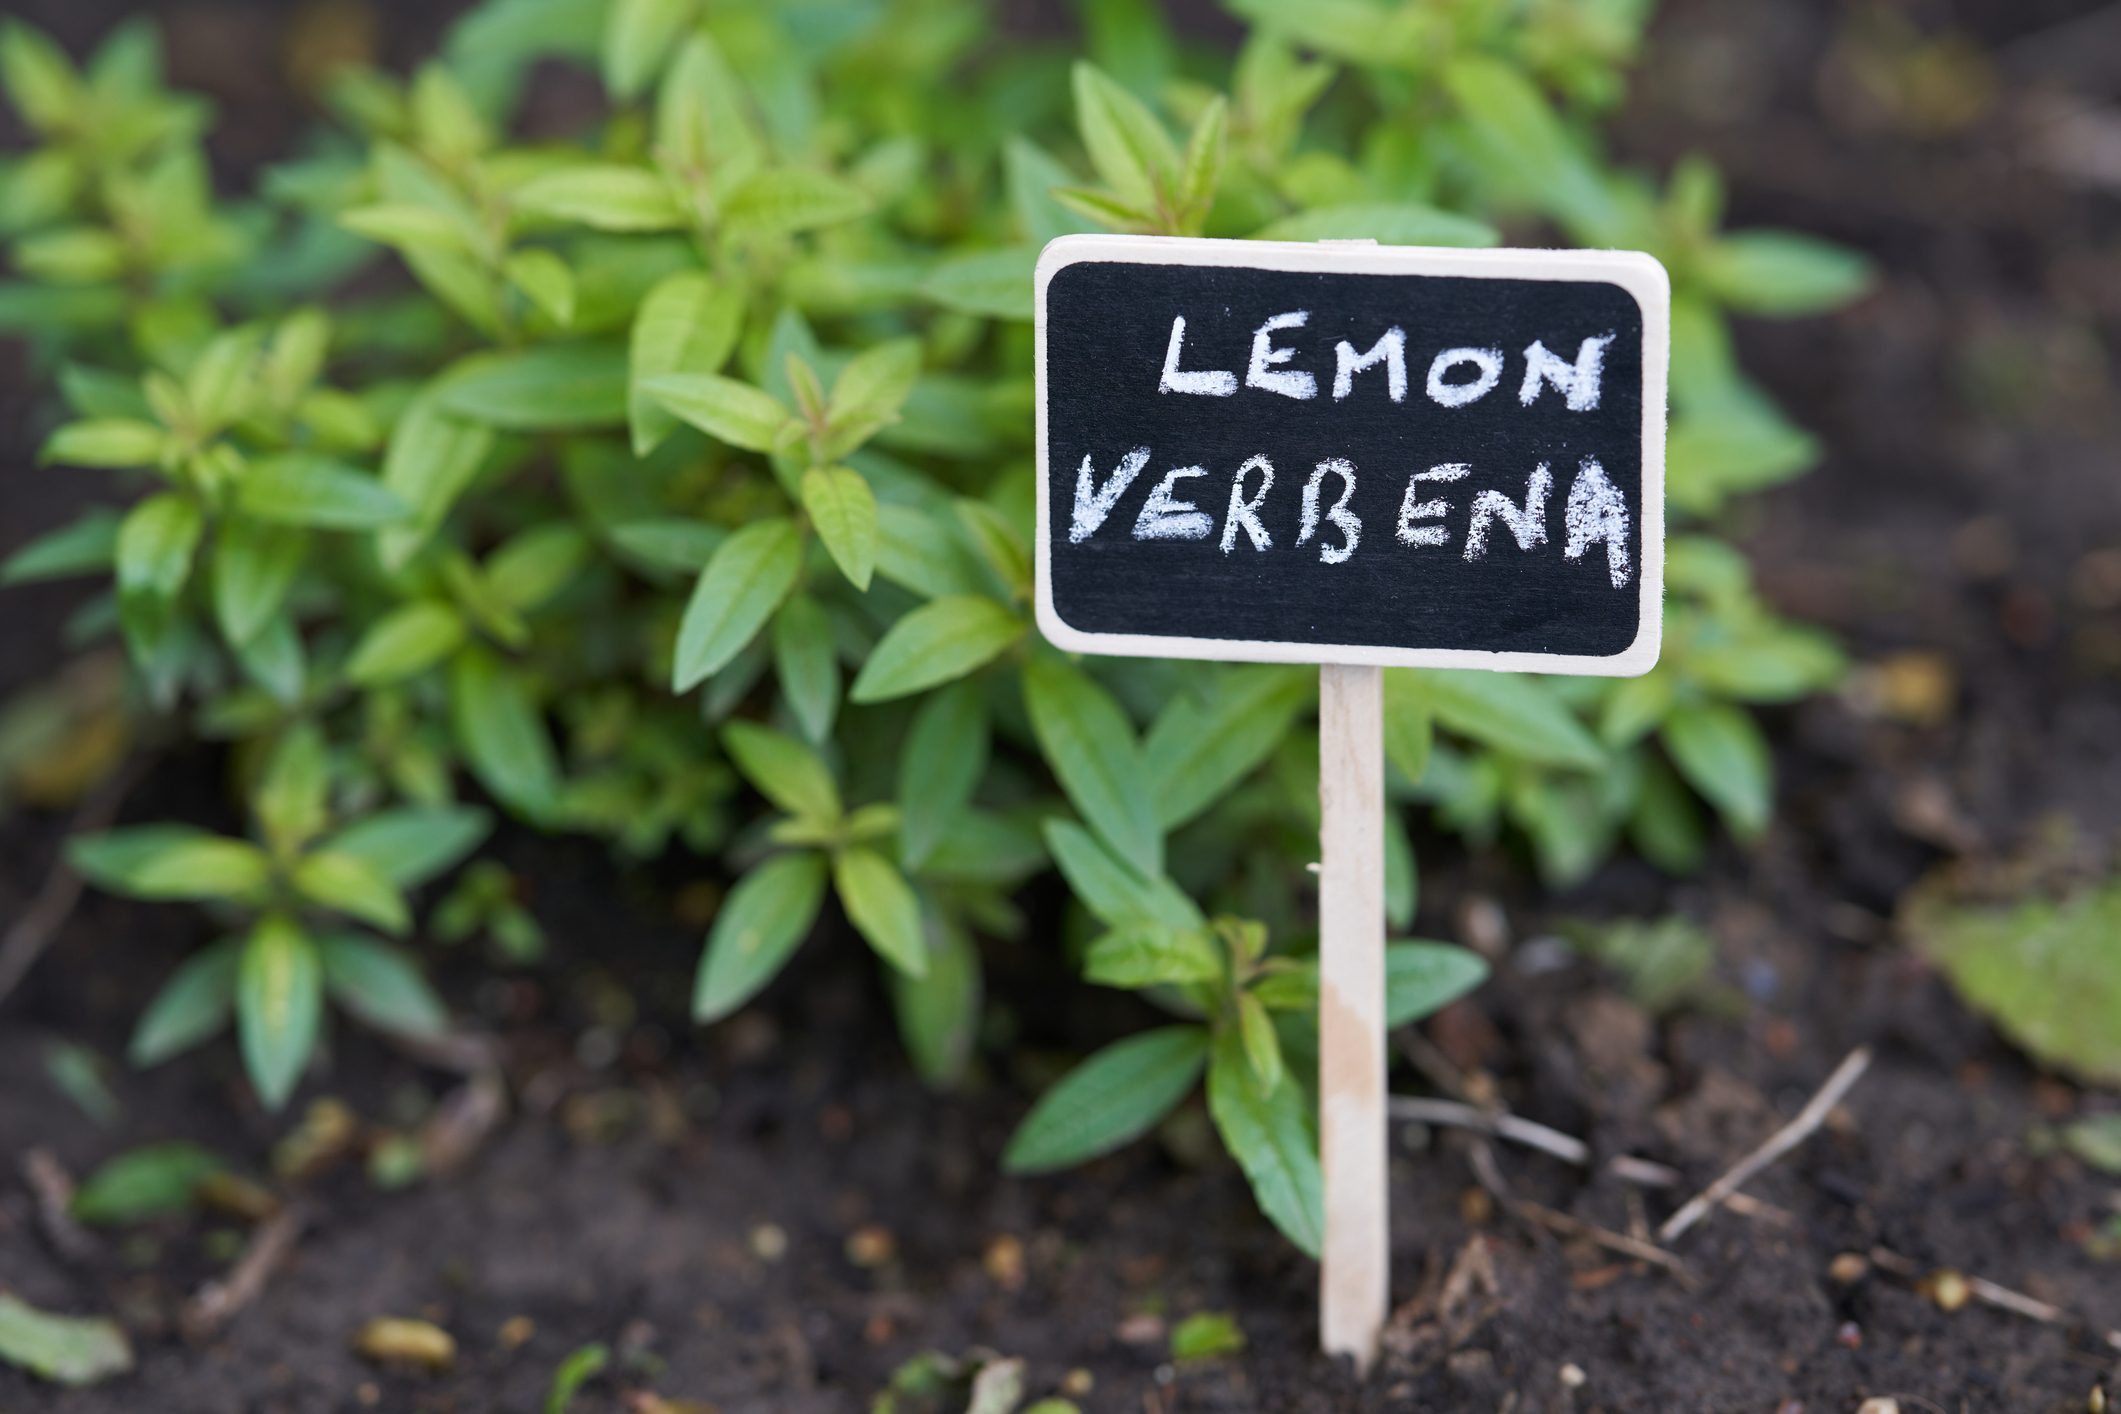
pixel 1850 1336
pixel 1947 1288
pixel 516 1332
pixel 1078 1382
pixel 2095 1402
pixel 1573 1377
pixel 1790 1406
pixel 368 1394
pixel 1879 1406
pixel 1849 1268
pixel 1141 1328
pixel 769 1242
pixel 871 1245
pixel 393 1340
pixel 1004 1262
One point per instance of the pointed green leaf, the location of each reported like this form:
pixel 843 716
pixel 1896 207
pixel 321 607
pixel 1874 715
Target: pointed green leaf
pixel 279 998
pixel 742 585
pixel 1090 745
pixel 883 908
pixel 842 508
pixel 1110 1100
pixel 939 642
pixel 766 916
pixel 380 985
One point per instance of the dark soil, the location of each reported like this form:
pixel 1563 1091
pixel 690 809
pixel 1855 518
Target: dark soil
pixel 690 1198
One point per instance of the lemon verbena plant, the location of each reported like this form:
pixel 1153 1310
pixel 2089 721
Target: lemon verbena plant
pixel 668 481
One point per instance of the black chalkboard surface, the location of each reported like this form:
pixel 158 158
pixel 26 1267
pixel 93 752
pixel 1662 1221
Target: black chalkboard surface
pixel 1345 453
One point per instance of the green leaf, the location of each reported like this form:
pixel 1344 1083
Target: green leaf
pixel 945 756
pixel 1262 1047
pixel 702 117
pixel 1386 222
pixel 1090 745
pixel 807 664
pixel 106 442
pixel 169 862
pixel 1206 1335
pixel 380 985
pixel 552 388
pixel 1423 978
pixel 292 798
pixel 842 509
pixel 193 1004
pixel 1118 894
pixel 413 844
pixel 1266 1132
pixel 1202 167
pixel 75 1351
pixel 2096 1139
pixel 1517 133
pixel 790 199
pixel 502 733
pixel 688 323
pixel 155 546
pixel 2046 971
pixel 939 642
pixel 1127 143
pixel 1033 173
pixel 1517 714
pixel 1410 727
pixel 742 585
pixel 408 640
pixel 351 885
pixel 602 195
pixel 299 488
pixel 681 546
pixel 545 279
pixel 581 1366
pixel 876 382
pixel 255 564
pixel 149 1182
pixel 723 408
pixel 1202 745
pixel 431 459
pixel 784 770
pixel 1110 1100
pixel 279 999
pixel 39 78
pixel 1151 954
pixel 410 227
pixel 882 907
pixel 766 916
pixel 1783 273
pixel 88 545
pixel 638 38
pixel 1721 753
pixel 994 284
pixel 536 564
pixel 939 1013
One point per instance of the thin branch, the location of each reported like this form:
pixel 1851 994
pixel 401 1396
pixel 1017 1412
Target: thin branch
pixel 37 925
pixel 52 1188
pixel 219 1301
pixel 1988 1293
pixel 1499 1123
pixel 1605 1237
pixel 1779 1143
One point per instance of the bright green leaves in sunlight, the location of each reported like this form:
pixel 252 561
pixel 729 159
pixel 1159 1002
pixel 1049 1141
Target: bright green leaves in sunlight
pixel 1150 184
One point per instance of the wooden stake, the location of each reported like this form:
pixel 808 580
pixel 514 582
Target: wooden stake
pixel 1355 1283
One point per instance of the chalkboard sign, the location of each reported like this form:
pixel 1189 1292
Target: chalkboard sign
pixel 1342 453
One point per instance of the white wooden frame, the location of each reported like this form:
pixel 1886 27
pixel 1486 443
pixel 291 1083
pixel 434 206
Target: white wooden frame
pixel 1638 274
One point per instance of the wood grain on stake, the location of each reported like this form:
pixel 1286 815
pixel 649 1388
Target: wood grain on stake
pixel 1351 1009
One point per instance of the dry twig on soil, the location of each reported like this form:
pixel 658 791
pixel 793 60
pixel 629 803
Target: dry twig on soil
pixel 52 1189
pixel 219 1301
pixel 1988 1293
pixel 1779 1143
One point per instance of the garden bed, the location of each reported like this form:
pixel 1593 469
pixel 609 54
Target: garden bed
pixel 773 1215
